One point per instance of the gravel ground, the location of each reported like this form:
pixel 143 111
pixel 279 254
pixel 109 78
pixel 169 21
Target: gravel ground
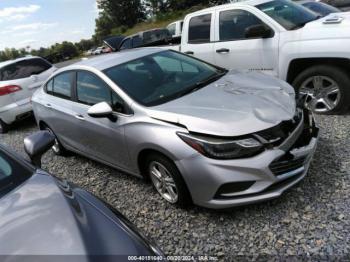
pixel 311 219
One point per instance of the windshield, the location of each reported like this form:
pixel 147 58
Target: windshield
pixel 321 8
pixel 288 14
pixel 163 76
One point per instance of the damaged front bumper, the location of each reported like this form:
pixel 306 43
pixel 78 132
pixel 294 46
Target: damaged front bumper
pixel 228 183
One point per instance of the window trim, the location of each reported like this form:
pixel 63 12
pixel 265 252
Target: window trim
pixel 212 23
pixel 128 110
pixel 126 39
pixel 240 39
pixel 53 91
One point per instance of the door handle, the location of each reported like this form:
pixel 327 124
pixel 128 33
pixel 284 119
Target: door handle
pixel 189 53
pixel 80 117
pixel 223 51
pixel 48 105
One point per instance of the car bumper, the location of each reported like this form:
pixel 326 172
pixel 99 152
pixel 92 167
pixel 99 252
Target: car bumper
pixel 15 111
pixel 228 183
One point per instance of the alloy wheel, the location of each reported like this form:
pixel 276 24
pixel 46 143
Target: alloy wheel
pixel 163 182
pixel 322 94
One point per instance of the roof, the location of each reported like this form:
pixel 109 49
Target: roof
pixel 106 61
pixel 8 62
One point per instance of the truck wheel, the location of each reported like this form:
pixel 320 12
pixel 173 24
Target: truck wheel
pixel 326 89
pixel 4 128
pixel 167 180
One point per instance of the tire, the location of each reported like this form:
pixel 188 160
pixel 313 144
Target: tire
pixel 4 128
pixel 323 99
pixel 179 186
pixel 57 148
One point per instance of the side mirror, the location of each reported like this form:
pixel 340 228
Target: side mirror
pixel 37 144
pixel 100 110
pixel 258 31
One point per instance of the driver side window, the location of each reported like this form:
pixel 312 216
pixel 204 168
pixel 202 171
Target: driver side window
pixel 234 23
pixel 92 90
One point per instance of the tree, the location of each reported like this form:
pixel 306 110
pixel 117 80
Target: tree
pixel 104 26
pixel 84 45
pixel 66 49
pixel 122 12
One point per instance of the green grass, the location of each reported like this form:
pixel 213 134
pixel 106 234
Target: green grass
pixel 161 20
pixel 149 25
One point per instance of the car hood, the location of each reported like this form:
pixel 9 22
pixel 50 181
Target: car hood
pixel 45 216
pixel 239 103
pixel 332 26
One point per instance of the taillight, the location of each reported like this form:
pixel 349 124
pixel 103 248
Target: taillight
pixel 5 90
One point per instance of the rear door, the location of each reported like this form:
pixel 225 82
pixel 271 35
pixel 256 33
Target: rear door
pixel 58 106
pixel 199 38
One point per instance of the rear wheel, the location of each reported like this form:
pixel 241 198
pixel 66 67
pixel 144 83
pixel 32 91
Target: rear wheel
pixel 167 180
pixel 57 148
pixel 3 127
pixel 326 89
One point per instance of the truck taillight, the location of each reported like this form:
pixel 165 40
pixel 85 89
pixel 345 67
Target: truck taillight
pixel 5 90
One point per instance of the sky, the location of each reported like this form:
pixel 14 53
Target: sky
pixel 41 23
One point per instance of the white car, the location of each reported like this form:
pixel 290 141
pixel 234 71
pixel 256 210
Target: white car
pixel 18 80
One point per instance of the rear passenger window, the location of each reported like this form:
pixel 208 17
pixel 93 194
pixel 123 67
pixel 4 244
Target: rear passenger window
pixel 62 85
pixel 136 41
pixel 172 29
pixel 49 87
pixel 126 44
pixel 92 90
pixel 234 23
pixel 199 29
pixel 24 69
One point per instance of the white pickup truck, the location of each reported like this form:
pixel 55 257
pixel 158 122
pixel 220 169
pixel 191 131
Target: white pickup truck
pixel 280 38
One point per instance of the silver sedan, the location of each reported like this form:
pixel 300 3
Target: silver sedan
pixel 201 134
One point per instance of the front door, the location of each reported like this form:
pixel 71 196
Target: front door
pixel 102 138
pixel 198 41
pixel 234 50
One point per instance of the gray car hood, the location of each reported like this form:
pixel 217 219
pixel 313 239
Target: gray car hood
pixel 237 104
pixel 44 216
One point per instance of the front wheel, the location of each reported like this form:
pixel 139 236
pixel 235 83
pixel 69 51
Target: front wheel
pixel 326 89
pixel 57 148
pixel 167 180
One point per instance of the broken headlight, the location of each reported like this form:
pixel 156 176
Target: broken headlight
pixel 222 148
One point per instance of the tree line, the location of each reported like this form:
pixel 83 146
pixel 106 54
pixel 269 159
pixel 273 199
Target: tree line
pixel 115 17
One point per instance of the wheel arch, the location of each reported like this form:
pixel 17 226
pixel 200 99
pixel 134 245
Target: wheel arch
pixel 142 155
pixel 298 65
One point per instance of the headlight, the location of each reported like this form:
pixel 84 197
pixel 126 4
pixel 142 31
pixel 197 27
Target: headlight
pixel 222 148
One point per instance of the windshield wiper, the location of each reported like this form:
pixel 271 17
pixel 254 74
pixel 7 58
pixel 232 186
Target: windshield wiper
pixel 210 79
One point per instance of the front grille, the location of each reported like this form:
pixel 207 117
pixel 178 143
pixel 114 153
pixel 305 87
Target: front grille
pixel 284 165
pixel 278 134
